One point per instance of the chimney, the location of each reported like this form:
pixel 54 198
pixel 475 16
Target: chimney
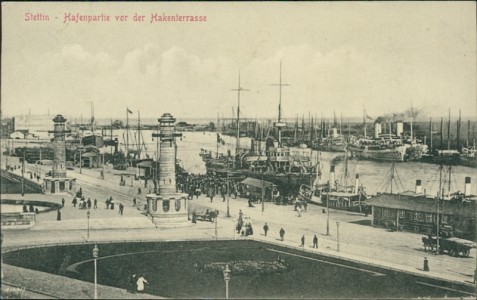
pixel 356 184
pixel 467 186
pixel 399 128
pixel 418 186
pixel 332 177
pixel 377 129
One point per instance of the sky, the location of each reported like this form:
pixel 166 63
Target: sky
pixel 347 57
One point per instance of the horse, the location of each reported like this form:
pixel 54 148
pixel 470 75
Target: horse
pixel 428 242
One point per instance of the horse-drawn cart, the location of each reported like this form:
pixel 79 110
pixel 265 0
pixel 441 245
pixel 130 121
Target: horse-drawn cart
pixel 455 246
pixel 205 216
pixel 452 246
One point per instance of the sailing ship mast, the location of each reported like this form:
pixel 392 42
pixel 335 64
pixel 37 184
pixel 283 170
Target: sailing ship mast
pixel 238 89
pixel 280 124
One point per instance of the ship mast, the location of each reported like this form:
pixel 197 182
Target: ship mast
pixel 238 89
pixel 279 124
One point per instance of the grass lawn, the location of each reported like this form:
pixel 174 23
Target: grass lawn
pixel 194 270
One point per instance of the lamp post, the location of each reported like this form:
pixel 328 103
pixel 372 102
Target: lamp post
pixel 95 258
pixel 228 195
pixel 328 213
pixel 88 214
pixel 1 257
pixel 338 235
pixel 81 159
pixel 227 279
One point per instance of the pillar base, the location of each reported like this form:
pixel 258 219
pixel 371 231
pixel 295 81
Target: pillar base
pixel 168 211
pixel 61 186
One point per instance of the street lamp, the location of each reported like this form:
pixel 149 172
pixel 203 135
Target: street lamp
pixel 227 279
pixel 88 214
pixel 95 257
pixel 338 235
pixel 228 195
pixel 328 213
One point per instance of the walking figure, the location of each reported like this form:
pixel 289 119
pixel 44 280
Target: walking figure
pixel 95 204
pixel 140 284
pixel 282 233
pixel 62 202
pixel 303 240
pixel 134 202
pixel 265 228
pixel 315 242
pixel 121 209
pixel 426 264
pixel 74 202
pixel 58 215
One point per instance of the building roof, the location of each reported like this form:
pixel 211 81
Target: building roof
pixel 145 164
pixel 423 204
pixel 256 182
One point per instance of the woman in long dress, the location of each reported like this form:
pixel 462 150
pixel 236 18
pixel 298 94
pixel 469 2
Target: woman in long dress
pixel 140 284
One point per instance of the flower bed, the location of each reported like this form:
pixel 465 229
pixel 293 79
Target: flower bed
pixel 248 267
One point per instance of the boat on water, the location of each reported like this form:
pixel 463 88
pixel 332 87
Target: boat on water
pixel 286 167
pixel 388 146
pixel 92 138
pixel 334 142
pixel 336 194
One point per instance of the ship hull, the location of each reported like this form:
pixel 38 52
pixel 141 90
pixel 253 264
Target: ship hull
pixel 93 140
pixel 396 154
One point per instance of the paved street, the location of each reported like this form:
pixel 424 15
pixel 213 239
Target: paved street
pixel 398 250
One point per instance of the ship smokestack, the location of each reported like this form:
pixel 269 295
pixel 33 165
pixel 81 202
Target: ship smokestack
pixel 418 186
pixel 377 129
pixel 467 186
pixel 399 128
pixel 335 132
pixel 356 184
pixel 332 177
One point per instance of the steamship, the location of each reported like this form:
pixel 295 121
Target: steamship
pixel 334 142
pixel 388 146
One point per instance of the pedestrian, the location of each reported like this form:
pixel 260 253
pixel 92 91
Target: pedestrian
pixel 62 202
pixel 107 203
pixel 240 214
pixel 299 211
pixel 58 215
pixel 74 202
pixel 140 284
pixel 89 203
pixel 282 233
pixel 121 209
pixel 95 204
pixel 138 190
pixel 426 264
pixel 265 228
pixel 315 242
pixel 134 202
pixel 303 240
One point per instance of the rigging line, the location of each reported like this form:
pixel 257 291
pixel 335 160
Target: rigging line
pixel 399 179
pixel 384 183
pixel 433 180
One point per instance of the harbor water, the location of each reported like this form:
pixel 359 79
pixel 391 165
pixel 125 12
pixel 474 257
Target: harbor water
pixel 374 176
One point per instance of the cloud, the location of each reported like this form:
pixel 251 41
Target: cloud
pixel 154 80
